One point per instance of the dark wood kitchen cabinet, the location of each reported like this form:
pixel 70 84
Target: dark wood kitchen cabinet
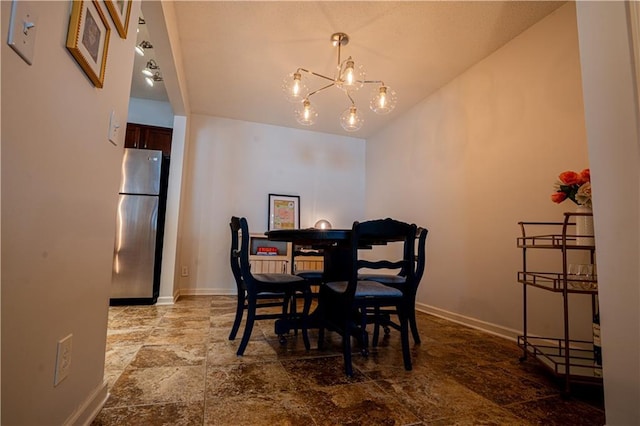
pixel 142 136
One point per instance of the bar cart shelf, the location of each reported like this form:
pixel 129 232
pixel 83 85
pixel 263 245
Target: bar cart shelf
pixel 569 359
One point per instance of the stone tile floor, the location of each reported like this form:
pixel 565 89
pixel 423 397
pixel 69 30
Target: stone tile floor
pixel 174 365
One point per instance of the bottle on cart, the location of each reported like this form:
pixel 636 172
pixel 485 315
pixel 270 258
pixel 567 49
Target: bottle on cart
pixel 597 345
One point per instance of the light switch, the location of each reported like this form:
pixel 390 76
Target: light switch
pixel 114 125
pixel 22 29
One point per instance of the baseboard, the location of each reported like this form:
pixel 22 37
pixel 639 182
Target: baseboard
pixel 88 411
pixel 497 330
pixel 206 292
pixel 166 300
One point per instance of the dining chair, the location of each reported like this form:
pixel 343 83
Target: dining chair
pixel 343 305
pixel 258 294
pixel 399 281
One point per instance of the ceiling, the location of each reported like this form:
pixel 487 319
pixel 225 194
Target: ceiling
pixel 139 87
pixel 235 54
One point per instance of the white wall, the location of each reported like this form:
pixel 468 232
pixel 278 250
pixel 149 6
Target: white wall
pixel 611 113
pixel 477 157
pixel 60 179
pixel 152 113
pixel 170 274
pixel 233 165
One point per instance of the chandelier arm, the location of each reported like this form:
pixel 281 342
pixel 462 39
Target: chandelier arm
pixel 320 89
pixel 316 74
pixel 353 103
pixel 371 81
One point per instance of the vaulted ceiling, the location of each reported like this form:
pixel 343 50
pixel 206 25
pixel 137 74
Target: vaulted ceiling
pixel 235 54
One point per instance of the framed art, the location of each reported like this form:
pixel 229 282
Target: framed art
pixel 88 39
pixel 634 18
pixel 284 211
pixel 120 11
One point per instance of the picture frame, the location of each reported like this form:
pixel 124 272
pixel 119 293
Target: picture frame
pixel 284 212
pixel 634 19
pixel 88 39
pixel 120 11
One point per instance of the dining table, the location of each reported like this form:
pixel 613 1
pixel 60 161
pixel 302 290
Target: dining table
pixel 335 245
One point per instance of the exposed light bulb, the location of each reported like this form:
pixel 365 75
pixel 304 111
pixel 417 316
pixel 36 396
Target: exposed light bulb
pixel 383 101
pixel 307 114
pixel 294 87
pixel 351 76
pixel 149 81
pixel 349 73
pixel 296 84
pixel 139 50
pixel 350 120
pixel 147 72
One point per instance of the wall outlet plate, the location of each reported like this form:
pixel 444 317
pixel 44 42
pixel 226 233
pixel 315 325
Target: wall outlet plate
pixel 22 29
pixel 63 359
pixel 114 125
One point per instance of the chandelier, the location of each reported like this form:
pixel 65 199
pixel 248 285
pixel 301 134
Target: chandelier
pixel 348 77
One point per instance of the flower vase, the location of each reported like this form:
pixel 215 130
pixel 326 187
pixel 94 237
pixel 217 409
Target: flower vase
pixel 584 227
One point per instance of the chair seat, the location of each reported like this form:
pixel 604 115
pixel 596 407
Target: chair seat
pixel 366 289
pixel 383 278
pixel 278 278
pixel 311 275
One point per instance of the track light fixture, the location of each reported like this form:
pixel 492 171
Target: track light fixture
pixel 144 44
pixel 156 77
pixel 349 77
pixel 151 68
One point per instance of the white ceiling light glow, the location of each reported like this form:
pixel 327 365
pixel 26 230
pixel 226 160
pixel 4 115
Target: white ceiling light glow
pixel 349 77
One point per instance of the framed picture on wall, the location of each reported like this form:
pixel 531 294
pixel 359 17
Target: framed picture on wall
pixel 634 18
pixel 120 11
pixel 284 211
pixel 88 39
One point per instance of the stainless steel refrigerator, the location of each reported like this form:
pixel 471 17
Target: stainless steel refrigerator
pixel 139 228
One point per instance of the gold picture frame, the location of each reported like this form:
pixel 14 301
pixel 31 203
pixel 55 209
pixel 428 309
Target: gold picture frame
pixel 88 39
pixel 120 11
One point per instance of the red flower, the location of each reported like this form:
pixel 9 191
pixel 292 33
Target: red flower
pixel 558 197
pixel 570 178
pixel 573 186
pixel 585 176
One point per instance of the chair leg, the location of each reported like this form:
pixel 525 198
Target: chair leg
pixel 305 318
pixel 320 337
pixel 346 349
pixel 364 337
pixel 376 327
pixel 248 328
pixel 321 319
pixel 285 315
pixel 404 336
pixel 293 311
pixel 414 326
pixel 238 319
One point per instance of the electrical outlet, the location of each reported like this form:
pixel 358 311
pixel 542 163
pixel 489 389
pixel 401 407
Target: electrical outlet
pixel 185 271
pixel 63 359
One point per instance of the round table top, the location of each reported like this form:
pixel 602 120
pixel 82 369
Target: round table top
pixel 309 235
